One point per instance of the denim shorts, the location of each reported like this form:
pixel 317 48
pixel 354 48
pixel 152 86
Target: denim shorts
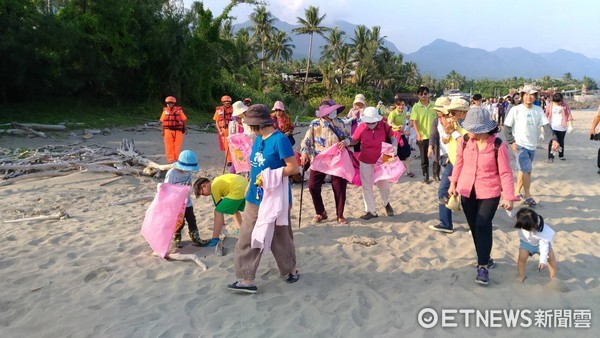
pixel 525 159
pixel 532 249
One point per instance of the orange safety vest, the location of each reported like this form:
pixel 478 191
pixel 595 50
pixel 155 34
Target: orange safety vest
pixel 173 120
pixel 223 116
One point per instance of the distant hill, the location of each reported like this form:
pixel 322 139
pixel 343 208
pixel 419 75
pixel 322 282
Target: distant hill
pixel 441 57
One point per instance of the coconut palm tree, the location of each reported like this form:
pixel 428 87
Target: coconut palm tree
pixel 280 47
pixel 335 40
pixel 310 25
pixel 263 29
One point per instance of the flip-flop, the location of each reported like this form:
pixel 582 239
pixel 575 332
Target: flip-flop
pixel 530 202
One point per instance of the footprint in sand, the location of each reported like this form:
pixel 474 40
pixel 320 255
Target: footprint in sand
pixel 99 275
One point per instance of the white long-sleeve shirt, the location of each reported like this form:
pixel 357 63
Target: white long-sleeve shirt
pixel 541 239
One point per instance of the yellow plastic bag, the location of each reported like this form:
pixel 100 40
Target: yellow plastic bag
pixel 453 203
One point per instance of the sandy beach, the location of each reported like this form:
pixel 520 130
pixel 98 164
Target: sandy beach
pixel 94 275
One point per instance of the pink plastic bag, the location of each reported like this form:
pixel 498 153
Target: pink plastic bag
pixel 333 161
pixel 240 147
pixel 388 168
pixel 163 215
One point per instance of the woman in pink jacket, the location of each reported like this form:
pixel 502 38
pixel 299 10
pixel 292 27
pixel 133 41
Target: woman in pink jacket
pixel 484 180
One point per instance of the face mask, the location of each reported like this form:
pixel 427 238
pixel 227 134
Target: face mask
pixel 332 115
pixel 371 125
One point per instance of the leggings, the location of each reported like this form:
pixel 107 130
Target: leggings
pixel 479 214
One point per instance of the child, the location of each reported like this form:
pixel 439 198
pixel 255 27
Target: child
pixel 536 238
pixel 228 193
pixel 181 174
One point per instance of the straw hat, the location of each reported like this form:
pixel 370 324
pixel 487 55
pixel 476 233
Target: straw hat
pixel 441 103
pixel 458 104
pixel 528 89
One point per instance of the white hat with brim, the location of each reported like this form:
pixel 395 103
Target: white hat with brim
pixel 478 121
pixel 239 108
pixel 441 103
pixel 528 89
pixel 458 104
pixel 359 98
pixel 370 115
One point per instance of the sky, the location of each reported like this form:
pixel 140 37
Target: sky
pixel 535 25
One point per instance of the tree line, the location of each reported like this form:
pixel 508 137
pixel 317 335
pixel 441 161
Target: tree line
pixel 141 51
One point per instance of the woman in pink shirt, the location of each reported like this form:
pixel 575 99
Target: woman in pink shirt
pixel 483 178
pixel 371 133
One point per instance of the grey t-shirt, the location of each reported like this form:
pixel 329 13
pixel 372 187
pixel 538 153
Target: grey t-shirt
pixel 176 176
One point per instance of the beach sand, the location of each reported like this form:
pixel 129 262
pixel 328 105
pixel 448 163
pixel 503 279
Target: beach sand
pixel 93 274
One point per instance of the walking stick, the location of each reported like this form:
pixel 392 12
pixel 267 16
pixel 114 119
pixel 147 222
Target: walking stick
pixel 226 146
pixel 301 193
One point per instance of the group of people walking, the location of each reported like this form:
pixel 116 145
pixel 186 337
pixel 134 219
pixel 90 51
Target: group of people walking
pixel 469 161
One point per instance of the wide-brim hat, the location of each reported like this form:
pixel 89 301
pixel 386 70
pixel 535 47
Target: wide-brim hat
pixel 458 104
pixel 187 161
pixel 370 115
pixel 328 106
pixel 239 108
pixel 258 115
pixel 360 98
pixel 441 103
pixel 528 89
pixel 478 121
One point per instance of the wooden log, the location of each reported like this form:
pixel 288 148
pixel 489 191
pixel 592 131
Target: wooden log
pixel 37 167
pixel 45 174
pixel 110 181
pixel 57 216
pixel 39 126
pixel 29 130
pixel 14 131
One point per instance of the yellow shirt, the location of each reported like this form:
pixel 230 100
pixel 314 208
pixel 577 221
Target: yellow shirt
pixel 229 186
pixel 453 143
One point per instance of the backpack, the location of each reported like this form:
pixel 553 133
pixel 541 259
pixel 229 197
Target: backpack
pixel 497 143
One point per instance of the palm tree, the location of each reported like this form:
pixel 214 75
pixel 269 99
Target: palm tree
pixel 280 47
pixel 335 41
pixel 411 74
pixel 360 41
pixel 310 25
pixel 263 28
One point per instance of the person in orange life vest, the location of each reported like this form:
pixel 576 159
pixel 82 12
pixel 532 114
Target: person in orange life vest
pixel 173 128
pixel 222 118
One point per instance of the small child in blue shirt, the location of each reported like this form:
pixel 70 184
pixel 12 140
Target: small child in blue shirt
pixel 181 174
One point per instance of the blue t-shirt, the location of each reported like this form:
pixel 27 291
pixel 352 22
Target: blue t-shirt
pixel 267 153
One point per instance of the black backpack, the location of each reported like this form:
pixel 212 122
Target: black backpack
pixel 497 143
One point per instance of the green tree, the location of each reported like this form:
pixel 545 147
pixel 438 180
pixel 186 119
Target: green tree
pixel 310 24
pixel 262 26
pixel 281 47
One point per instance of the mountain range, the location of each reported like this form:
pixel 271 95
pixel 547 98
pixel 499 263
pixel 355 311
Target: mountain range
pixel 440 57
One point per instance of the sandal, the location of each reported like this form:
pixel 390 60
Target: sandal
pixel 320 217
pixel 292 277
pixel 530 202
pixel 342 220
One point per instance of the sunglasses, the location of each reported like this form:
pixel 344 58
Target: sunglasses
pixel 423 94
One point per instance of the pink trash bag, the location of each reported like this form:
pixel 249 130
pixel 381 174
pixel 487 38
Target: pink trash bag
pixel 163 216
pixel 333 161
pixel 240 147
pixel 388 167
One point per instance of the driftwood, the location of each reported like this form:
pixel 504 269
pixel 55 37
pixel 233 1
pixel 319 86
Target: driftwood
pixel 76 157
pixel 110 181
pixel 133 200
pixel 187 257
pixel 57 216
pixel 28 129
pixel 24 176
pixel 38 126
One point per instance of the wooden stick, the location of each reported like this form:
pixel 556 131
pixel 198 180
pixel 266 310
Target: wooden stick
pixel 47 174
pixel 133 200
pixel 43 126
pixel 28 129
pixel 59 215
pixel 187 257
pixel 110 181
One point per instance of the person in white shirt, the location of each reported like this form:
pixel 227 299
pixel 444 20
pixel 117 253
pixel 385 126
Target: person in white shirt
pixel 535 238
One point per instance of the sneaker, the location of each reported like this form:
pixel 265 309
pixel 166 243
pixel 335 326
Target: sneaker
pixel 177 240
pixel 237 287
pixel 195 237
pixel 490 265
pixel 440 229
pixel 212 243
pixel 292 278
pixel 562 158
pixel 409 174
pixel 550 160
pixel 368 216
pixel 389 210
pixel 482 276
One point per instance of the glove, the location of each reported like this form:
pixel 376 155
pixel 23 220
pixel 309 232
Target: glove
pixel 570 129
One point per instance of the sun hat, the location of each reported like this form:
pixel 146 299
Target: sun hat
pixel 170 99
pixel 370 115
pixel 478 121
pixel 441 103
pixel 328 106
pixel 239 108
pixel 187 161
pixel 458 104
pixel 278 106
pixel 360 98
pixel 258 115
pixel 528 89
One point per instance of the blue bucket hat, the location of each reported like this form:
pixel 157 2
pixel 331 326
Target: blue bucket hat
pixel 478 121
pixel 187 161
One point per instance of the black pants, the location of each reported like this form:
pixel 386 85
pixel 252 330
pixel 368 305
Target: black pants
pixel 423 145
pixel 560 135
pixel 479 214
pixel 501 119
pixel 190 218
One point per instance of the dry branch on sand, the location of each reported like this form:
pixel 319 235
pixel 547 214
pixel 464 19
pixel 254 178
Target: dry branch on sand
pixel 55 159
